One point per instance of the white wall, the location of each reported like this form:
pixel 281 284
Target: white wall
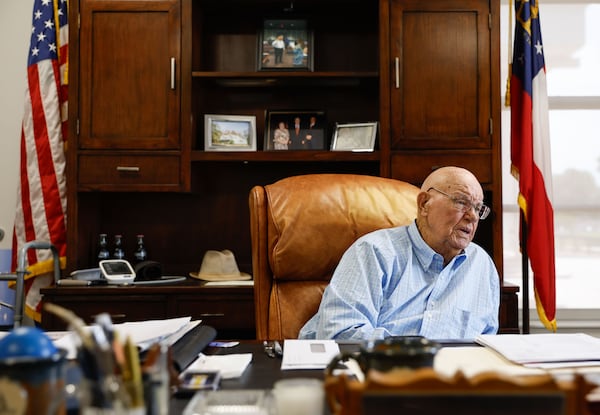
pixel 15 30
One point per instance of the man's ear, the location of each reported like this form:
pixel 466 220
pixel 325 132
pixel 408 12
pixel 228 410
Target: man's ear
pixel 422 199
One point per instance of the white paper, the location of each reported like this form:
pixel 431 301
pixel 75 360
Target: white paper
pixel 308 354
pixel 593 365
pixel 146 332
pixel 229 365
pixel 142 333
pixel 544 348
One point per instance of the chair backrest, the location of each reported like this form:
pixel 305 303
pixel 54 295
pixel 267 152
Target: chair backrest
pixel 300 226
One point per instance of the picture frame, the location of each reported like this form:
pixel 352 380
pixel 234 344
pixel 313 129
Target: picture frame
pixel 304 130
pixel 285 45
pixel 354 136
pixel 229 132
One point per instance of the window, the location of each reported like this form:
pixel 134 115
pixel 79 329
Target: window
pixel 571 38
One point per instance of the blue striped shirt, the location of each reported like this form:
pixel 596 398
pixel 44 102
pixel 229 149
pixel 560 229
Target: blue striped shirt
pixel 391 283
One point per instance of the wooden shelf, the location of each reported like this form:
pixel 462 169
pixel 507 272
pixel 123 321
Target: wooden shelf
pixel 283 79
pixel 285 74
pixel 277 156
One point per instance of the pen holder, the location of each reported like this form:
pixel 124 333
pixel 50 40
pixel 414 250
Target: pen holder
pixel 107 397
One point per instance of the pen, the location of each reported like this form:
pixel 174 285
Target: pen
pixel 132 376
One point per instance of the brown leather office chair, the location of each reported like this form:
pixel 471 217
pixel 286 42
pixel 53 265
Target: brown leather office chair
pixel 300 226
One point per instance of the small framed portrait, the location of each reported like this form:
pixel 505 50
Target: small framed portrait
pixel 229 132
pixel 285 45
pixel 354 137
pixel 295 130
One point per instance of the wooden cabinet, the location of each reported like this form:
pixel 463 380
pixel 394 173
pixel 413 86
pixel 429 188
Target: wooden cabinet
pixel 441 78
pixel 229 310
pixel 125 103
pixel 129 76
pixel 126 83
pixel 427 71
pixel 440 82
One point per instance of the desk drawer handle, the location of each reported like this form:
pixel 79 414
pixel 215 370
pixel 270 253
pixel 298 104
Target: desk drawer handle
pixel 128 169
pixel 212 315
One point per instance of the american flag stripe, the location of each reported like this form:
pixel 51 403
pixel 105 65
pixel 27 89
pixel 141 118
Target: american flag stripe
pixel 41 203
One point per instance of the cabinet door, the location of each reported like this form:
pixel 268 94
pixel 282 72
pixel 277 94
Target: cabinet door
pixel 441 75
pixel 129 85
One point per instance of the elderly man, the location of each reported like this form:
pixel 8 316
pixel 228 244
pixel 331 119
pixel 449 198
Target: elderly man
pixel 427 278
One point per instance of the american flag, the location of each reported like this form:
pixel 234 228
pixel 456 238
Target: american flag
pixel 530 154
pixel 41 194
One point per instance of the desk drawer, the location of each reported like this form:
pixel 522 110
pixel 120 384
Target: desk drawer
pixel 414 166
pixel 128 170
pixel 121 308
pixel 222 314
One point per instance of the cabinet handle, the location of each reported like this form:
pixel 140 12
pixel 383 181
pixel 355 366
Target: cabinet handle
pixel 129 169
pixel 397 70
pixel 172 73
pixel 212 315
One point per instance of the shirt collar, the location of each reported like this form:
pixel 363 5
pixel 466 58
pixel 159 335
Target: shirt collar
pixel 426 256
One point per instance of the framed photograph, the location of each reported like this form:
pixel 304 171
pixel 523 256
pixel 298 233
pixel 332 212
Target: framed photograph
pixel 295 130
pixel 229 132
pixel 285 44
pixel 354 137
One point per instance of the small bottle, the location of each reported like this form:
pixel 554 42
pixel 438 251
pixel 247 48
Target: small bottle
pixel 140 252
pixel 103 252
pixel 118 253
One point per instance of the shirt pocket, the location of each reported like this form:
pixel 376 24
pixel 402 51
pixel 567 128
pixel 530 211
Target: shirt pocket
pixel 464 324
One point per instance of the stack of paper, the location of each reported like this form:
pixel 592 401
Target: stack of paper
pixel 546 350
pixel 230 366
pixel 308 354
pixel 141 333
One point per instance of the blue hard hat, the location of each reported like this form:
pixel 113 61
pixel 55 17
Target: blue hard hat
pixel 27 345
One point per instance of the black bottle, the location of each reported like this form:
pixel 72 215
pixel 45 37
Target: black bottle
pixel 140 252
pixel 118 253
pixel 103 252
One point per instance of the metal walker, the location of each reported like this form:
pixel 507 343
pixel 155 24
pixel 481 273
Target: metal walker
pixel 19 277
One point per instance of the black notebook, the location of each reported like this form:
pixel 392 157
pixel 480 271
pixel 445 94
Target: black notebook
pixel 187 349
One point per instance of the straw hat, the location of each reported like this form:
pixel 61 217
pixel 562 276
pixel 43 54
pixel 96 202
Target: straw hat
pixel 219 266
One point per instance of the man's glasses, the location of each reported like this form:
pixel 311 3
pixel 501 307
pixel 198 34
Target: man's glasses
pixel 464 205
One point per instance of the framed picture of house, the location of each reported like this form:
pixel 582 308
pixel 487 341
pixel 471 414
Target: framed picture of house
pixel 229 132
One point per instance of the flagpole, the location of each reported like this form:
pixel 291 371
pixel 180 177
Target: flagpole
pixel 525 273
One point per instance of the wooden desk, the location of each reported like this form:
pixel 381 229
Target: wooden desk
pixel 264 371
pixel 230 310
